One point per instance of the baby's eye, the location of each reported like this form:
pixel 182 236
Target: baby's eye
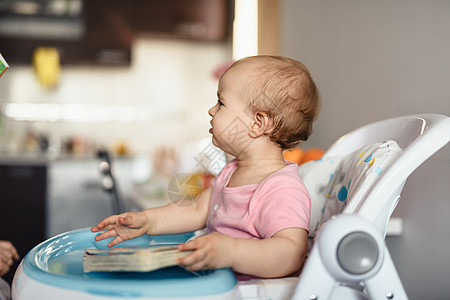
pixel 219 102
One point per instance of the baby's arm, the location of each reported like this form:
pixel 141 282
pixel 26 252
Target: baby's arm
pixel 281 255
pixel 168 219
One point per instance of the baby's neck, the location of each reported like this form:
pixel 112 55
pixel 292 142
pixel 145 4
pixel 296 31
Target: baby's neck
pixel 257 155
pixel 253 169
pixel 249 163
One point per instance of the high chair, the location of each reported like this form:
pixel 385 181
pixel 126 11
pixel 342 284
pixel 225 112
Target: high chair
pixel 354 189
pixel 349 255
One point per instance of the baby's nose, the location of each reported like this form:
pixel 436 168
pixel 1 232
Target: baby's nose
pixel 212 110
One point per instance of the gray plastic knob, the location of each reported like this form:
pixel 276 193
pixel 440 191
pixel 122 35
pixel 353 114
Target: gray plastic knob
pixel 357 253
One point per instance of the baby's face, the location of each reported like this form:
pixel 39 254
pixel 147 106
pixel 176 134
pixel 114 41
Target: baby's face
pixel 231 120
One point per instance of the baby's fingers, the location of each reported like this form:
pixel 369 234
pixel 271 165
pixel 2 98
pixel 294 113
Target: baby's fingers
pixel 105 223
pixel 100 226
pixel 9 248
pixel 187 246
pixel 126 221
pixel 116 241
pixel 105 235
pixel 194 261
pixel 15 254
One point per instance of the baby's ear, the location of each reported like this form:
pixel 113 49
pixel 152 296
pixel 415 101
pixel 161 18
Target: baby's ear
pixel 262 124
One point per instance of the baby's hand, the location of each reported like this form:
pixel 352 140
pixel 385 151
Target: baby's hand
pixel 124 227
pixel 211 251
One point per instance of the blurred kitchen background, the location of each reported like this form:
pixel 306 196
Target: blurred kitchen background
pixel 136 78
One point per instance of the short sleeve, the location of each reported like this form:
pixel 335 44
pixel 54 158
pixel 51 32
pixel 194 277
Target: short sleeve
pixel 284 203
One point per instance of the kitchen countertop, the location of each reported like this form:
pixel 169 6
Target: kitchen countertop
pixel 23 160
pixel 143 196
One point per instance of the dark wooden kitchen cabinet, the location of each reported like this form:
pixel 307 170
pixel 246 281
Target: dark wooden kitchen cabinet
pixel 23 193
pixel 102 31
pixel 192 19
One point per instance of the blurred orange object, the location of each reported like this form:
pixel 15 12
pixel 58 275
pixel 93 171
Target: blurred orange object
pixel 300 156
pixel 295 155
pixel 313 154
pixel 121 148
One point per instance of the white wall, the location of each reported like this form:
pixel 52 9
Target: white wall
pixel 371 59
pixel 378 59
pixel 172 77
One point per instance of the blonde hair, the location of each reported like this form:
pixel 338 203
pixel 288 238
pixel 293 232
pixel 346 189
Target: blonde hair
pixel 283 89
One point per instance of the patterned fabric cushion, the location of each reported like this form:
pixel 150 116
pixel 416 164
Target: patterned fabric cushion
pixel 316 176
pixel 333 182
pixel 357 174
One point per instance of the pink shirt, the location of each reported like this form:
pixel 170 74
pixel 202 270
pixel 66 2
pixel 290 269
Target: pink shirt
pixel 258 211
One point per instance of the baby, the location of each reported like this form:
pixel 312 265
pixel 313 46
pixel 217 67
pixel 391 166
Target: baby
pixel 257 209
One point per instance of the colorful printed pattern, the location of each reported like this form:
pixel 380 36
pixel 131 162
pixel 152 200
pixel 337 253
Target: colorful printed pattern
pixel 3 65
pixel 357 174
pixel 316 176
pixel 333 182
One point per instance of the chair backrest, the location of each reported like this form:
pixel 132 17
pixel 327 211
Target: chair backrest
pixel 419 136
